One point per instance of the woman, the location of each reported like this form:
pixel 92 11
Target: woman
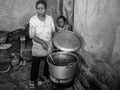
pixel 40 31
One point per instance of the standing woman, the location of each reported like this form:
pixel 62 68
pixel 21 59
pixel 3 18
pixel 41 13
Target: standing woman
pixel 40 31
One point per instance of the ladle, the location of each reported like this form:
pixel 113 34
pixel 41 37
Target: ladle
pixel 51 58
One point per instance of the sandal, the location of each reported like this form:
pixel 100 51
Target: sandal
pixel 32 84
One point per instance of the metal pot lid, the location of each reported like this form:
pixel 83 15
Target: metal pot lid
pixel 66 41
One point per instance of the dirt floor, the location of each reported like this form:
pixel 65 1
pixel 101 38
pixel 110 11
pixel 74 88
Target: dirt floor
pixel 18 76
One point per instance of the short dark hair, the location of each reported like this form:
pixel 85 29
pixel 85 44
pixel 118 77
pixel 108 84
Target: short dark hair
pixel 41 2
pixel 62 18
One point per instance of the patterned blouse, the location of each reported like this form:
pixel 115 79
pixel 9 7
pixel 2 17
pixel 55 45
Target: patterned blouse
pixel 43 30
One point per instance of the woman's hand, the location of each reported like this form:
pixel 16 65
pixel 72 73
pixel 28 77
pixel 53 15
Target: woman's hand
pixel 45 45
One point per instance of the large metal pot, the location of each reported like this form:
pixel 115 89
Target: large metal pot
pixel 62 66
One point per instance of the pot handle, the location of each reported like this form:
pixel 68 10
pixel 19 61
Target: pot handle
pixel 70 63
pixel 55 50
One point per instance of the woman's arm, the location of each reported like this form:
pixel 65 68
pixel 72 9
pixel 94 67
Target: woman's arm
pixel 32 33
pixel 42 42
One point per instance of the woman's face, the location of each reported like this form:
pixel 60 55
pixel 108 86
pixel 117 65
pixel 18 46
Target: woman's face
pixel 41 10
pixel 61 22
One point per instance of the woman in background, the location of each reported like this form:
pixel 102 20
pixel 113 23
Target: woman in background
pixel 62 24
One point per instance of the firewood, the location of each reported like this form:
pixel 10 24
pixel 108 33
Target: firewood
pixel 89 74
pixel 78 84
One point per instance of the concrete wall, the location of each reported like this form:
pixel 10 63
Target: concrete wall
pixel 14 14
pixel 97 21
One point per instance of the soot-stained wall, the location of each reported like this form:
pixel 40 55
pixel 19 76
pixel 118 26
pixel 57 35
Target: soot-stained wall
pixel 97 21
pixel 14 14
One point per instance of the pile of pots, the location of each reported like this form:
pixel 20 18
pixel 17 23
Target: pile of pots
pixel 63 64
